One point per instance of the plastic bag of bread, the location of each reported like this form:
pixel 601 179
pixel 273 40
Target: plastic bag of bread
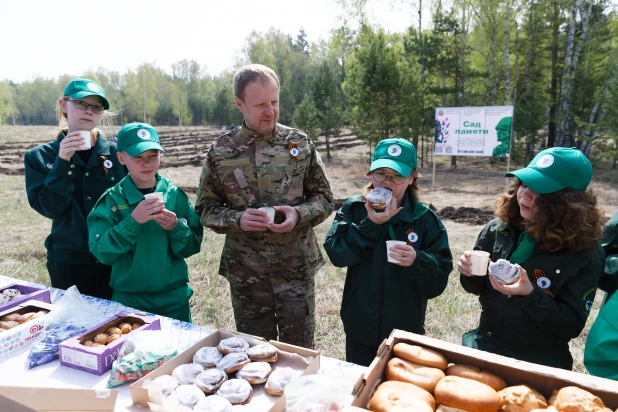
pixel 71 316
pixel 318 393
pixel 141 353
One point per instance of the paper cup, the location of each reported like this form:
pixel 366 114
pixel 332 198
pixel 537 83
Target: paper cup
pixel 87 139
pixel 480 261
pixel 155 195
pixel 270 212
pixel 389 245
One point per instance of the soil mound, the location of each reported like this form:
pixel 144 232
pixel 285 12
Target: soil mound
pixel 469 215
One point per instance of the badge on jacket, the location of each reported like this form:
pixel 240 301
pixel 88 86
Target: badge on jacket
pixel 49 166
pixel 411 236
pixel 293 147
pixel 543 282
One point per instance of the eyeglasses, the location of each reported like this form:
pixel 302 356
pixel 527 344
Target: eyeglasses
pixel 381 177
pixel 84 106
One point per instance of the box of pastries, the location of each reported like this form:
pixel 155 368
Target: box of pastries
pixel 96 350
pixel 419 373
pixel 226 369
pixel 22 324
pixel 14 294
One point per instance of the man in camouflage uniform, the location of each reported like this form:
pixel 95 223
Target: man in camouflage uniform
pixel 270 266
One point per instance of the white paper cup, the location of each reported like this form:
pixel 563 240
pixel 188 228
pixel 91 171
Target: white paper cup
pixel 480 261
pixel 270 212
pixel 389 245
pixel 87 139
pixel 155 195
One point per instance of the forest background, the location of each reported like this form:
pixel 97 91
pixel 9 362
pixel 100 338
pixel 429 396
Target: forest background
pixel 554 60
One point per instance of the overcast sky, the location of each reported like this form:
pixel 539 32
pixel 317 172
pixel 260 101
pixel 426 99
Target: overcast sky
pixel 53 37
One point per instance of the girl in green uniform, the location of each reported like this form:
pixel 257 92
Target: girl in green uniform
pixel 380 296
pixel 550 224
pixel 63 182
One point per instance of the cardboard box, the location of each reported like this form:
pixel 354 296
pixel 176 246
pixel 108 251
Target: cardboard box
pixel 27 293
pixel 514 372
pixel 99 359
pixel 289 356
pixel 24 334
pixel 20 399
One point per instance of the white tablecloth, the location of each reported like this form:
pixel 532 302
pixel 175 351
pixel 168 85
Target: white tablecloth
pixel 13 370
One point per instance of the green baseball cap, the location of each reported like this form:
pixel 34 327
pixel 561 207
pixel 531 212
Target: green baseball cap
pixel 556 169
pixel 80 88
pixel 397 154
pixel 136 138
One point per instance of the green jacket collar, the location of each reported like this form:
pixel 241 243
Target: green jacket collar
pixel 412 209
pixel 132 194
pixel 248 133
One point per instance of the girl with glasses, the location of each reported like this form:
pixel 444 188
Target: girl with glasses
pixel 65 178
pixel 380 295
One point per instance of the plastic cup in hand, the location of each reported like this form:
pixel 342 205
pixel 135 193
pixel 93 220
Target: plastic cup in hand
pixel 87 139
pixel 480 261
pixel 155 195
pixel 270 213
pixel 389 245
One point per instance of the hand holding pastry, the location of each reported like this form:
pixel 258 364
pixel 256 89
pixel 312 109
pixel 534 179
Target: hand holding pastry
pixel 380 218
pixel 522 287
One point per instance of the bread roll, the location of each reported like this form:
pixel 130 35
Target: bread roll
pixel 574 399
pixel 521 398
pixel 477 374
pixel 400 396
pixel 11 317
pixel 26 317
pixel 422 376
pixel 420 355
pixel 549 409
pixel 467 394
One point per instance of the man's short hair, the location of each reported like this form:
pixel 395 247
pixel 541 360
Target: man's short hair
pixel 252 73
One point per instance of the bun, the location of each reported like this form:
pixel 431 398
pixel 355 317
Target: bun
pixel 444 408
pixel 379 198
pixel 393 395
pixel 477 374
pixel 420 355
pixel 521 398
pixel 467 394
pixel 574 399
pixel 424 377
pixel 504 272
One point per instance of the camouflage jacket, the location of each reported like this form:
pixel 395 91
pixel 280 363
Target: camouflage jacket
pixel 248 170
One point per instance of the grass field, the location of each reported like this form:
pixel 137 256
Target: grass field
pixel 474 183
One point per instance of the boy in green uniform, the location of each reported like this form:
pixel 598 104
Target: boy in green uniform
pixel 144 237
pixel 548 223
pixel 65 178
pixel 601 353
pixel 380 296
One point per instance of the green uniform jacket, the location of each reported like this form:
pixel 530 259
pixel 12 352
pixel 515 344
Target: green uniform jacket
pixel 380 296
pixel 248 170
pixel 66 191
pixel 601 353
pixel 538 327
pixel 609 279
pixel 144 257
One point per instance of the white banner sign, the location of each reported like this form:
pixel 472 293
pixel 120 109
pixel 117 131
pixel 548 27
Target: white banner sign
pixel 473 131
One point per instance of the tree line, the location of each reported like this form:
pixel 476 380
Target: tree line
pixel 554 60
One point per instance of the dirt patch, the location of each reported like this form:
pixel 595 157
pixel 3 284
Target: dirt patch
pixel 468 215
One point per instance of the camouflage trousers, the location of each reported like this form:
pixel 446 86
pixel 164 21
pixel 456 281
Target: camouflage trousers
pixel 272 304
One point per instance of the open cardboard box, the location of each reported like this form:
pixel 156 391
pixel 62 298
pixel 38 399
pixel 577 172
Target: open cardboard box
pixel 27 293
pixel 21 399
pixel 514 372
pixel 289 356
pixel 98 359
pixel 26 333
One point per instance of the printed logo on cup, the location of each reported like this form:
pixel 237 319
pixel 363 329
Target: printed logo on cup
pixel 143 134
pixel 543 282
pixel 394 150
pixel 93 87
pixel 412 237
pixel 545 161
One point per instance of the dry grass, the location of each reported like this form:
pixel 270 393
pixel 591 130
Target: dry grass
pixel 474 183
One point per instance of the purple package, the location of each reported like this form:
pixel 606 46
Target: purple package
pixel 27 293
pixel 99 359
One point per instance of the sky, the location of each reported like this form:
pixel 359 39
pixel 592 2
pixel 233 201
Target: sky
pixel 49 38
